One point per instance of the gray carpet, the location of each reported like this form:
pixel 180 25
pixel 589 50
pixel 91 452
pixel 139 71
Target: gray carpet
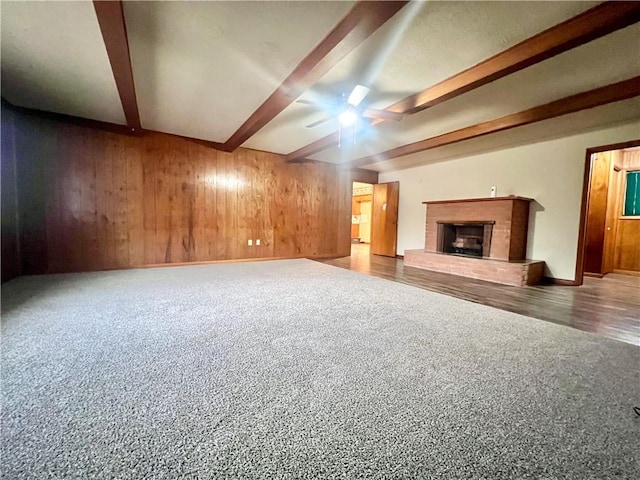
pixel 295 369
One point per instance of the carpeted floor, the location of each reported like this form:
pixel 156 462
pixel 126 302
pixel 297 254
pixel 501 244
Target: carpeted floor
pixel 295 369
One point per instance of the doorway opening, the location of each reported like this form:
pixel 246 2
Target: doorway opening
pixel 361 210
pixel 610 226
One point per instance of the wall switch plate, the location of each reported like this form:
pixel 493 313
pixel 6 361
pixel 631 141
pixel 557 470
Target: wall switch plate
pixel 250 242
pixel 258 242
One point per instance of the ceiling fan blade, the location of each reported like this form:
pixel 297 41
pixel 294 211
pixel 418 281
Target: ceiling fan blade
pixel 383 114
pixel 319 122
pixel 357 95
pixel 306 102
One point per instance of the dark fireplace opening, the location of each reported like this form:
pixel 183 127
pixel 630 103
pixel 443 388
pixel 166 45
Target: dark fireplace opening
pixel 472 239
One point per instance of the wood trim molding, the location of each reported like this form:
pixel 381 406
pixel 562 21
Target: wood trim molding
pixel 592 98
pixel 593 275
pixel 582 228
pixel 596 22
pixel 114 32
pixel 361 21
pixel 467 200
pixel 364 176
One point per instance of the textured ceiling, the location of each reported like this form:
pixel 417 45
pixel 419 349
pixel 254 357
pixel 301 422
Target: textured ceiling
pixel 595 64
pixel 202 68
pixel 594 118
pixel 418 47
pixel 54 59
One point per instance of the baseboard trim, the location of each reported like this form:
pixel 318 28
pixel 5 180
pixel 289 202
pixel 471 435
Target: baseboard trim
pixel 627 272
pixel 558 281
pixel 594 275
pixel 237 260
pixel 184 264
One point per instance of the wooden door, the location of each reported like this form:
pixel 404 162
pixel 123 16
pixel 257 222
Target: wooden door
pixel 597 212
pixel 384 219
pixel 614 207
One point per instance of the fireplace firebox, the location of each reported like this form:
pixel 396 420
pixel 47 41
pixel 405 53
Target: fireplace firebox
pixel 471 239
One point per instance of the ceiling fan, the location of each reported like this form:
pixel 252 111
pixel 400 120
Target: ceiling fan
pixel 348 109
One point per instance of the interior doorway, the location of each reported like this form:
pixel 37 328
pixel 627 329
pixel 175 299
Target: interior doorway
pixel 361 202
pixel 374 218
pixel 611 233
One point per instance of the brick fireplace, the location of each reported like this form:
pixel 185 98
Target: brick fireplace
pixel 484 238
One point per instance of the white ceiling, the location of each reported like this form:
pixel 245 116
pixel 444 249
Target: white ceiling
pixel 432 41
pixel 54 59
pixel 201 68
pixel 574 123
pixel 595 64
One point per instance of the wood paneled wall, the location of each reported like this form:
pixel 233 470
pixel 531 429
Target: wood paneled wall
pixel 631 160
pixel 93 200
pixel 10 251
pixel 627 253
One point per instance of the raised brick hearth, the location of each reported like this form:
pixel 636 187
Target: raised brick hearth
pixel 504 245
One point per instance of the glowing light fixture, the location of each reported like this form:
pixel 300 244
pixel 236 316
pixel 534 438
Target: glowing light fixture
pixel 348 117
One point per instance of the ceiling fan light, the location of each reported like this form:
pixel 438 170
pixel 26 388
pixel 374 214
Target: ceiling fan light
pixel 357 95
pixel 348 118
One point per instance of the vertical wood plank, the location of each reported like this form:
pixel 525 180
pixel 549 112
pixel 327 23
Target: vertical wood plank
pixel 119 200
pixel 134 174
pixel 244 202
pixel 211 233
pixel 221 206
pixel 231 207
pixel 150 219
pixel 91 152
pixel 200 247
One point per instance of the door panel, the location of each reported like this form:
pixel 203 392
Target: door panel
pixel 614 208
pixel 384 219
pixel 365 222
pixel 597 212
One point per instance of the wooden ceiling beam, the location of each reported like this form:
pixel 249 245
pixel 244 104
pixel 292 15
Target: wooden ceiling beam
pixel 590 25
pixel 361 21
pixel 114 32
pixel 592 98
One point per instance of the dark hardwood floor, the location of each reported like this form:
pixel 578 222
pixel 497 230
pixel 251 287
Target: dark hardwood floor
pixel 608 306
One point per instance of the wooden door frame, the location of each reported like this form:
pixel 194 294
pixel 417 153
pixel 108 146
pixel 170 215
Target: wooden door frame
pixel 584 207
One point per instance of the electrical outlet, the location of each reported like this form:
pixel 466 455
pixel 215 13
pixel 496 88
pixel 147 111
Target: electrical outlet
pixel 258 242
pixel 493 191
pixel 250 242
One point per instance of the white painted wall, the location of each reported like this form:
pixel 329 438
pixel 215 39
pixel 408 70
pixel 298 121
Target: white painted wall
pixel 551 172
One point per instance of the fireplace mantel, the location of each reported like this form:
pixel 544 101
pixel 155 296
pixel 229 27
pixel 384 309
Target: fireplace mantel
pixel 487 199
